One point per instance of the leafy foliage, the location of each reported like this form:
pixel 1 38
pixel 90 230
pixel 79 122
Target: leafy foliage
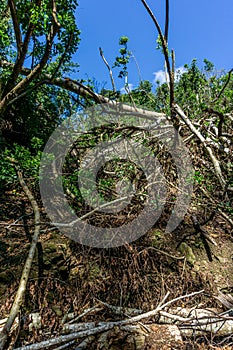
pixel 6 34
pixel 39 15
pixel 204 95
pixel 27 160
pixel 123 60
pixel 43 34
pixel 38 108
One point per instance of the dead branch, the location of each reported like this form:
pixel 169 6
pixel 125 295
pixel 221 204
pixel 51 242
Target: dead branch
pixel 27 267
pixel 161 36
pixel 204 236
pixel 103 327
pixel 226 300
pixel 166 22
pixel 163 252
pixel 84 313
pixel 109 69
pixel 221 118
pixel 14 326
pixel 119 310
pixel 84 91
pixel 194 130
pixel 67 338
pixel 159 308
pixel 198 321
pixel 164 43
pixel 225 85
pixel 188 321
pixel 224 215
pixel 72 223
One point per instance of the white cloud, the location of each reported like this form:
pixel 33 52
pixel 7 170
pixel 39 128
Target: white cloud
pixel 160 76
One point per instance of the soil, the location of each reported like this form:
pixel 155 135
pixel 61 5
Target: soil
pixel 67 278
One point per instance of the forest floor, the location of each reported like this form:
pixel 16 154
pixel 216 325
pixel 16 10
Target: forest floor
pixel 67 278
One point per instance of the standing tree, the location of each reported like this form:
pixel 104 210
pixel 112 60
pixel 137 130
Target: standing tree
pixel 41 36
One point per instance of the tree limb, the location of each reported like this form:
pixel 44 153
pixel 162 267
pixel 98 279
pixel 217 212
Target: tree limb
pixel 224 215
pixel 166 22
pixel 165 51
pixel 12 91
pixel 214 160
pixel 16 26
pixel 27 267
pixel 19 63
pixel 54 14
pixel 109 69
pixel 103 327
pixel 225 85
pixel 84 91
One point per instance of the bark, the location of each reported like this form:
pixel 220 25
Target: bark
pixel 11 90
pixel 199 321
pixel 27 267
pixel 196 132
pixel 83 91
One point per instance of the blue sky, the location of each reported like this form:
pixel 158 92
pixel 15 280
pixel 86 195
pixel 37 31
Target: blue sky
pixel 198 29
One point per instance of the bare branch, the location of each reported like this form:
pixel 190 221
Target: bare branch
pixel 137 65
pixel 72 223
pixel 221 119
pixel 84 313
pixel 166 56
pixel 214 160
pixel 163 41
pixel 224 215
pixel 109 69
pixel 225 299
pixel 103 327
pixel 173 64
pixel 225 85
pixel 166 22
pixel 27 267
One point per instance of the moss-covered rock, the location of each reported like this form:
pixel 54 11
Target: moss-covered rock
pixel 187 251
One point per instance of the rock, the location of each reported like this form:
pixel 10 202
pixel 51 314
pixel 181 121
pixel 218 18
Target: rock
pixel 187 251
